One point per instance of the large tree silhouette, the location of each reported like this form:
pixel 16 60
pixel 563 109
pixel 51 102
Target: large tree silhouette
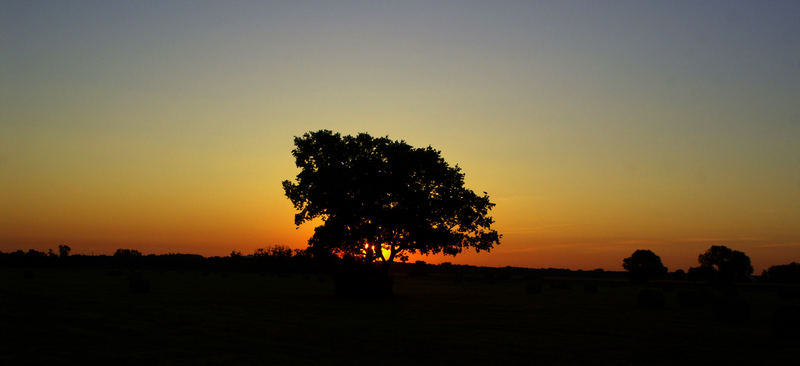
pixel 643 264
pixel 729 264
pixel 376 194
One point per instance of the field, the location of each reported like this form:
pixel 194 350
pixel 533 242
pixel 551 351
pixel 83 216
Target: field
pixel 58 316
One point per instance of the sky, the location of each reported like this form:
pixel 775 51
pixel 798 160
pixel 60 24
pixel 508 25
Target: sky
pixel 597 127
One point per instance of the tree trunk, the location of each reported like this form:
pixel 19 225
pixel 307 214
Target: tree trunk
pixel 388 262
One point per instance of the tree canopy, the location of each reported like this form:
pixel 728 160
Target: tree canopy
pixel 377 195
pixel 644 264
pixel 783 273
pixel 729 264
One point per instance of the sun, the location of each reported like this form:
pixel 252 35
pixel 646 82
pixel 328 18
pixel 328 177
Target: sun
pixel 385 249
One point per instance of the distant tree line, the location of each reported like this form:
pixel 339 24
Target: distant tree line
pixel 717 264
pixel 787 273
pixel 273 259
pixel 279 259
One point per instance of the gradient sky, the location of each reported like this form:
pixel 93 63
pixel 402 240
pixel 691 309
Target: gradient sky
pixel 597 127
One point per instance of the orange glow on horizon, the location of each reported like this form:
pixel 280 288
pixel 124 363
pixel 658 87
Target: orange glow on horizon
pixel 596 133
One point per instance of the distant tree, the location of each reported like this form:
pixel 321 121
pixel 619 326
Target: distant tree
pixel 789 273
pixel 127 253
pixel 643 264
pixel 33 253
pixel 376 194
pixel 728 264
pixel 63 251
pixel 274 251
pixel 701 273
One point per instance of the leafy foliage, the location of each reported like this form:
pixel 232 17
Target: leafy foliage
pixel 730 265
pixel 644 264
pixel 127 253
pixel 783 273
pixel 376 193
pixel 63 251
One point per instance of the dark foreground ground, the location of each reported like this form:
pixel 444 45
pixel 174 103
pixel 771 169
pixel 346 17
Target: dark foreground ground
pixel 89 316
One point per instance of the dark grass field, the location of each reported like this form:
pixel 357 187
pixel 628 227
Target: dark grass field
pixel 90 316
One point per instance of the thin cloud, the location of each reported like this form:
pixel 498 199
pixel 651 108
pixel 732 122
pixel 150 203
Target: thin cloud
pixel 779 245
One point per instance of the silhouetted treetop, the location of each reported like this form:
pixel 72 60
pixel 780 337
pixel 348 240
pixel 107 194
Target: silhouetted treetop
pixel 126 253
pixel 783 273
pixel 63 251
pixel 729 264
pixel 374 193
pixel 644 264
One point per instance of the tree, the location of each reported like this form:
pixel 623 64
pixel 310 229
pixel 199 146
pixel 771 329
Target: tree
pixel 643 264
pixel 127 253
pixel 701 273
pixel 127 257
pixel 381 200
pixel 789 273
pixel 728 264
pixel 63 251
